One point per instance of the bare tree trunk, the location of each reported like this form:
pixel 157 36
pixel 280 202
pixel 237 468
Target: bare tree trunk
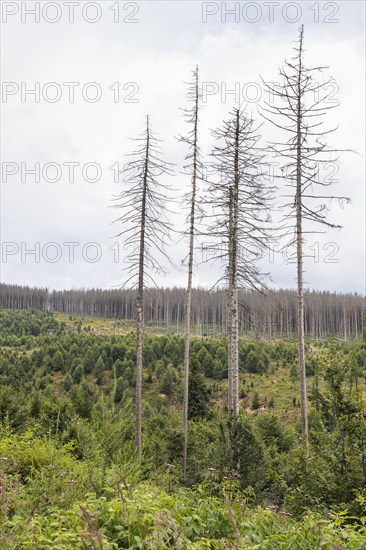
pixel 356 327
pixel 145 229
pixel 234 348
pixel 139 309
pixel 300 116
pixel 229 318
pixel 234 273
pixel 187 319
pixel 344 323
pixel 299 249
pixel 301 342
pixel 232 308
pixel 140 304
pixel 187 330
pixel 239 200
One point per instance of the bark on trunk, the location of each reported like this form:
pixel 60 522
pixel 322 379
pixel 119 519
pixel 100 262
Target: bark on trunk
pixel 233 330
pixel 187 318
pixel 299 250
pixel 140 306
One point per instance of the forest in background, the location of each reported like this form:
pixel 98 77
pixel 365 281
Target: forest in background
pixel 270 315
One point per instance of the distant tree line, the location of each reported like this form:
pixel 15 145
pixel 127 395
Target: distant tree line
pixel 273 315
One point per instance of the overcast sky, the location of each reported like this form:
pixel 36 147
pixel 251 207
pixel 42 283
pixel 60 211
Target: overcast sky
pixel 136 57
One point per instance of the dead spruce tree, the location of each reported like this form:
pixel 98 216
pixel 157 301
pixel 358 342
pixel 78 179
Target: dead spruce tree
pixel 193 168
pixel 145 233
pixel 298 108
pixel 240 217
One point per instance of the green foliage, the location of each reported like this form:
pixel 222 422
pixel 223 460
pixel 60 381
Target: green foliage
pixel 118 368
pixel 67 382
pixel 248 453
pixel 78 373
pixel 58 362
pixel 256 401
pixel 168 381
pixel 82 398
pixel 147 517
pixel 274 434
pixel 89 361
pixel 253 358
pixel 294 372
pixel 67 471
pixel 199 393
pixel 99 370
pixel 16 325
pixel 119 390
